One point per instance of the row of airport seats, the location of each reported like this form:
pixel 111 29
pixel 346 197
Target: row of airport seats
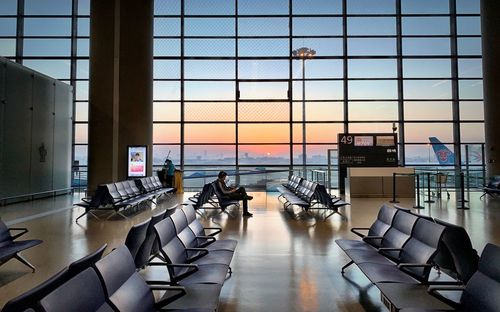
pixel 10 248
pixel 492 189
pixel 309 195
pixel 210 195
pixel 172 242
pixel 400 250
pixel 122 195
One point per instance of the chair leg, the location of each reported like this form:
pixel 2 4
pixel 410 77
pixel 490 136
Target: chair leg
pixel 345 266
pixel 24 261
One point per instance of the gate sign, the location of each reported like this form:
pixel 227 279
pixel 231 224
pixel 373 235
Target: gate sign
pixel 366 150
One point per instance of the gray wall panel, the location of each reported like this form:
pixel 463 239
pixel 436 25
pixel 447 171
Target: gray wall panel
pixel 62 137
pixel 28 119
pixel 3 66
pixel 42 136
pixel 17 130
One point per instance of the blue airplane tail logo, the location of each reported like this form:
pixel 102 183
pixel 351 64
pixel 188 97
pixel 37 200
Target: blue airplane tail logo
pixel 443 154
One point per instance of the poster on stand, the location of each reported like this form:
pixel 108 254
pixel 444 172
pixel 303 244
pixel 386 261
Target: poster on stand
pixel 137 160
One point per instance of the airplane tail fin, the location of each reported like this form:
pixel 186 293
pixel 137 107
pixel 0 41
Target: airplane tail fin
pixel 443 154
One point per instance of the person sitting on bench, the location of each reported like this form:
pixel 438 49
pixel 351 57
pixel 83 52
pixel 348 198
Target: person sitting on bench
pixel 238 193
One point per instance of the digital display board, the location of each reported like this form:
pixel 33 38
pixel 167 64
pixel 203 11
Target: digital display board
pixel 366 150
pixel 137 160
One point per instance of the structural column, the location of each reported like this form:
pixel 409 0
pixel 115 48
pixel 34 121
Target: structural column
pixel 490 28
pixel 121 86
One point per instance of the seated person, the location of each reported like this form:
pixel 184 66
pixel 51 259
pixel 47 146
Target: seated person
pixel 238 193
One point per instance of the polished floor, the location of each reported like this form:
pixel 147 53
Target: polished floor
pixel 283 262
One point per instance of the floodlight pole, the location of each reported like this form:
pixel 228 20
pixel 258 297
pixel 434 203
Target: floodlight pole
pixel 304 54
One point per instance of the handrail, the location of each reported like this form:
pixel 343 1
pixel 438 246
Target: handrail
pixel 54 191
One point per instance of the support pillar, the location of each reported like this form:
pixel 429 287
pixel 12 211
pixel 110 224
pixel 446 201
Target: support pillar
pixel 490 29
pixel 120 86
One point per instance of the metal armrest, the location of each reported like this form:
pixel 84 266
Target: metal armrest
pixel 200 252
pixel 414 265
pixel 23 231
pixel 373 237
pixel 355 231
pixel 87 200
pixel 180 291
pixel 206 240
pixel 389 249
pixel 434 291
pixel 217 230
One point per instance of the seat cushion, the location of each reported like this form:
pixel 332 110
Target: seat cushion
pixel 347 244
pixel 207 274
pixel 223 244
pixel 217 257
pixel 367 256
pixel 382 273
pixel 198 297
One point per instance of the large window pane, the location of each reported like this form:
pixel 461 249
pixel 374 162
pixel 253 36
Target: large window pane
pixel 263 26
pixel 470 68
pixel 261 7
pixel 160 153
pixel 426 46
pixel 319 90
pixel 420 132
pixel 322 46
pixel 255 111
pixel 263 90
pixel 167 47
pixel 47 26
pixel 379 46
pixel 317 26
pixel 426 26
pixel 166 133
pixel 323 132
pixel 427 89
pixel 264 154
pixel 472 132
pixel 263 47
pixel 8 26
pixel 468 25
pixel 209 133
pixel 263 133
pixel 433 110
pixel 166 69
pixel 210 155
pixel 470 89
pixel 166 90
pixel 425 6
pixel 209 27
pixel 365 111
pixel 208 47
pixel 7 47
pixel 209 7
pixel 427 68
pixel 373 90
pixel 371 127
pixel 81 111
pixel 316 7
pixel 319 68
pixel 471 110
pixel 8 7
pixel 167 7
pixel 209 111
pixel 468 6
pixel 469 46
pixel 263 69
pixel 371 7
pixel 83 27
pixel 372 68
pixel 47 7
pixel 167 26
pixel 47 47
pixel 319 111
pixel 81 133
pixel 371 26
pixel 166 111
pixel 59 69
pixel 207 90
pixel 212 69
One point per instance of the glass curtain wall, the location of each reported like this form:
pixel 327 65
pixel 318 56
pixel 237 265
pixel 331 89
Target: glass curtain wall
pixel 228 91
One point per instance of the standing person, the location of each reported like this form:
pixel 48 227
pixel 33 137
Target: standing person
pixel 169 172
pixel 238 193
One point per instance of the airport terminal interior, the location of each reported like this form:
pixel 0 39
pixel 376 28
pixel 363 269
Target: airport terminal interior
pixel 361 135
